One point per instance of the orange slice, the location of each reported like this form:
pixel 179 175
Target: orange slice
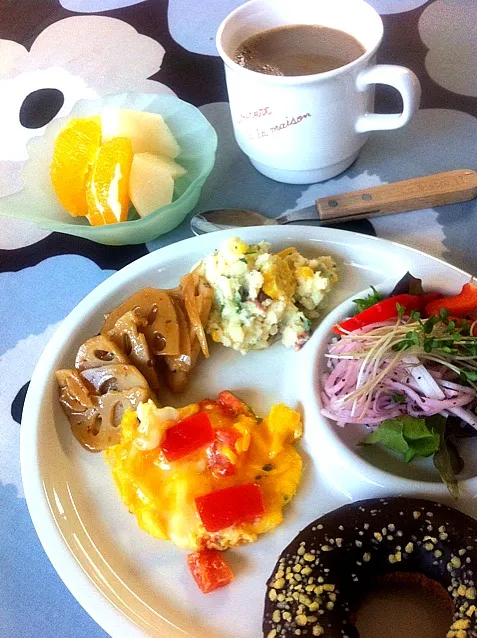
pixel 74 152
pixel 107 184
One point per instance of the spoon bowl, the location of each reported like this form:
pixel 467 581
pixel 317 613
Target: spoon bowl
pixel 224 219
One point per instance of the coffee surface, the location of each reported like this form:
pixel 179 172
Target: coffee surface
pixel 298 49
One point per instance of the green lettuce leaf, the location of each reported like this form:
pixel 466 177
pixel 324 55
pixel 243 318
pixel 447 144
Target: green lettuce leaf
pixel 390 435
pixel 372 299
pixel 414 429
pixel 413 437
pixel 406 435
pixel 447 460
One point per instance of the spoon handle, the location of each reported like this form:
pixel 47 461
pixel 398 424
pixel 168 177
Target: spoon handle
pixel 412 194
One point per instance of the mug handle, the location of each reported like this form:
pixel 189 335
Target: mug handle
pixel 401 79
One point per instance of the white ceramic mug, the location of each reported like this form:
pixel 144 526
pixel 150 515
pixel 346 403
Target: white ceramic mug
pixel 308 128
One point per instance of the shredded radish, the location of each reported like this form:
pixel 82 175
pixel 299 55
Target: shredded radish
pixel 368 381
pixel 466 415
pixel 424 379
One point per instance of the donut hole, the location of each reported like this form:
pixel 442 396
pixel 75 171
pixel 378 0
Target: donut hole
pixel 403 605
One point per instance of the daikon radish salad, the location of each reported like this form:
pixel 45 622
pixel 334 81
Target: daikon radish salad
pixel 406 366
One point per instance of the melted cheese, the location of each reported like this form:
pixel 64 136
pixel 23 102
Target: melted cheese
pixel 162 494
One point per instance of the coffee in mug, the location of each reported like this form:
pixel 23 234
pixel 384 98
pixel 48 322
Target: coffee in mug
pixel 303 127
pixel 298 49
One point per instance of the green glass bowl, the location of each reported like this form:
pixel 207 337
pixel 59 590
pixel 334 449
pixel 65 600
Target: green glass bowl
pixel 37 201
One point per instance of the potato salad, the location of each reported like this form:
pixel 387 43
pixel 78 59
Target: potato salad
pixel 260 297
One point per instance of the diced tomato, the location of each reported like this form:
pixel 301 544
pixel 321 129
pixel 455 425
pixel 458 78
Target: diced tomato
pixel 236 504
pixel 209 570
pixel 219 463
pixel 188 435
pixel 232 403
pixel 461 305
pixel 384 310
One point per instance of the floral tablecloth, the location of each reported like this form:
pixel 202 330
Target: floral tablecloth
pixel 55 52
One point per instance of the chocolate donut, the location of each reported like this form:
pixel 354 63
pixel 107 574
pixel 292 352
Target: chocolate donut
pixel 322 576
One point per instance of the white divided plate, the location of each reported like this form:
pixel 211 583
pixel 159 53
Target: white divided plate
pixel 134 585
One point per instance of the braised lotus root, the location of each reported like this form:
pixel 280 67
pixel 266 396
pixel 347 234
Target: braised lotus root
pixel 183 360
pixel 127 334
pixel 98 351
pixel 172 322
pixel 153 336
pixel 95 418
pixel 117 377
pixel 156 307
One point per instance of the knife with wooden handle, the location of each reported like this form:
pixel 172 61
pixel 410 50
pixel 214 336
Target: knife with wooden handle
pixel 439 189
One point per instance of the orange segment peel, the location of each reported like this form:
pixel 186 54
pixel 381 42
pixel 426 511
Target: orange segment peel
pixel 107 184
pixel 74 152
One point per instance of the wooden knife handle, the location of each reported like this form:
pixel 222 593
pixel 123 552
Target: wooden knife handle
pixel 411 194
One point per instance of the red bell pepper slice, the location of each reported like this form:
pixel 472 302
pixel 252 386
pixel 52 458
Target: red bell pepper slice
pixel 236 504
pixel 186 436
pixel 461 305
pixel 209 570
pixel 384 310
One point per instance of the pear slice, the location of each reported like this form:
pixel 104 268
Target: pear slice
pixel 175 169
pixel 148 132
pixel 151 184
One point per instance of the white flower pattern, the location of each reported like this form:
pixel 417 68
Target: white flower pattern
pixel 197 34
pixel 448 28
pixel 93 6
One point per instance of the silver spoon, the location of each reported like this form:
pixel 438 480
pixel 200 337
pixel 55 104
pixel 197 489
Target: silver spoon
pixel 412 194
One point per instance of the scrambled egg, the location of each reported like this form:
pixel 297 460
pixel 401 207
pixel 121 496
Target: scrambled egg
pixel 259 295
pixel 247 449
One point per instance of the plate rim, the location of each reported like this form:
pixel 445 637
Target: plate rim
pixel 91 598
